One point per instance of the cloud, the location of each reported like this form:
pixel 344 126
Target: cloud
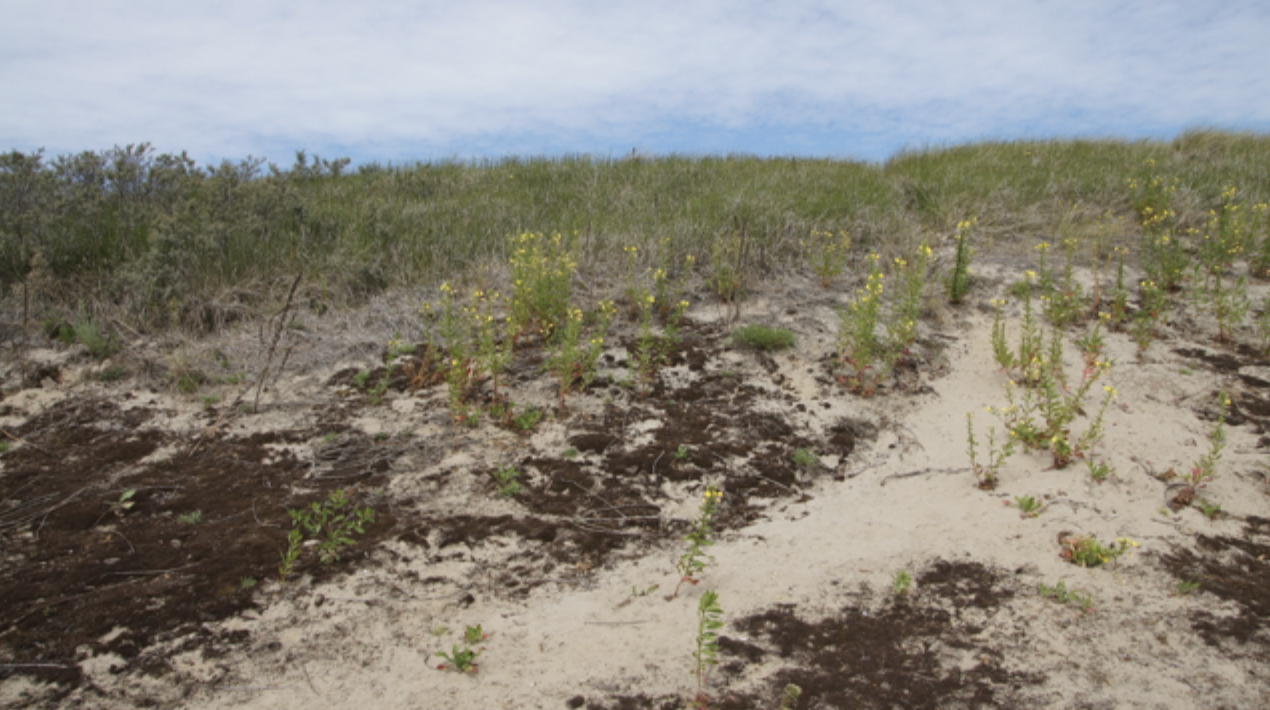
pixel 395 80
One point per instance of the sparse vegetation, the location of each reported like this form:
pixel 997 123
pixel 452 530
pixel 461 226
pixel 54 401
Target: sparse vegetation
pixel 763 337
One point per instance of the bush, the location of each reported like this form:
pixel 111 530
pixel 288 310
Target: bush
pixel 761 337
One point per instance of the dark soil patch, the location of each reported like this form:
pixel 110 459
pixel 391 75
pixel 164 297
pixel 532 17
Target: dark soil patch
pixel 1235 569
pixel 889 658
pixel 77 565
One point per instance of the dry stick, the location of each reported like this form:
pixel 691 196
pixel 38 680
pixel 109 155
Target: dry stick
pixel 277 334
pixel 923 471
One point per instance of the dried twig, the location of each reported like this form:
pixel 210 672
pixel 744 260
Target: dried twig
pixel 281 325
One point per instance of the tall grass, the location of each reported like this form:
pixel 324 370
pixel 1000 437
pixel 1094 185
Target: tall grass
pixel 157 232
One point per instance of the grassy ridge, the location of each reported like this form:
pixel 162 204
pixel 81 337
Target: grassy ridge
pixel 156 233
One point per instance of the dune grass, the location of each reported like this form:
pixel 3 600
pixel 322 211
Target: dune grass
pixel 163 237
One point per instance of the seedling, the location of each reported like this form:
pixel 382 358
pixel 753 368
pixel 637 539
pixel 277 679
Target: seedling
pixel 1210 510
pixel 246 583
pixel 1060 594
pixel 789 698
pixel 124 504
pixel 506 476
pixel 901 583
pixel 1206 468
pixel 474 634
pixel 1029 506
pixel 192 518
pixel 1186 587
pixel 637 592
pixel 683 453
pixel 528 419
pixel 571 453
pixel 806 458
pixel 462 660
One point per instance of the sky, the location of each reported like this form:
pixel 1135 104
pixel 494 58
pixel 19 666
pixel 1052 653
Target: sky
pixel 397 82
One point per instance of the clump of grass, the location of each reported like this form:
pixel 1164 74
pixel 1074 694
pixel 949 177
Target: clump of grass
pixel 763 337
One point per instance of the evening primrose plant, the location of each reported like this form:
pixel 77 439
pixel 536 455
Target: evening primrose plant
pixel 542 280
pixel 827 252
pixel 693 561
pixel 577 347
pixel 861 348
pixel 958 283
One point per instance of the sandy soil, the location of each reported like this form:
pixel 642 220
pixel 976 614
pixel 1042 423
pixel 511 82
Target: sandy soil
pixel 118 608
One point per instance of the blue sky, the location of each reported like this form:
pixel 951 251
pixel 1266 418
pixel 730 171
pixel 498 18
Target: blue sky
pixel 400 81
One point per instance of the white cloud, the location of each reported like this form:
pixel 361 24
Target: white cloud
pixel 395 79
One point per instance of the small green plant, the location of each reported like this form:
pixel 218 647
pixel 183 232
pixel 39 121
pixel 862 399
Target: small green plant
pixel 692 562
pixel 112 374
pixel 474 634
pixel 574 357
pixel 637 592
pixel 528 419
pixel 360 378
pixel 1151 310
pixel 1018 364
pixel 246 583
pixel 1210 510
pixel 1186 587
pixel 729 262
pixel 806 458
pixel 790 696
pixel 191 518
pixel 986 473
pixel 1064 303
pixel 329 523
pixel 571 453
pixel 901 583
pixel 462 660
pixel 506 477
pixel 709 621
pixel 1228 303
pixel 1030 507
pixel 1204 470
pixel 958 284
pixel 4 447
pixel 291 555
pixel 762 337
pixel 124 503
pixel 1062 595
pixel 1086 551
pixel 1098 470
pixel 827 253
pixel 683 453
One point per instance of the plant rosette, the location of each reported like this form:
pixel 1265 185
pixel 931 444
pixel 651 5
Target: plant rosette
pixel 1086 551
